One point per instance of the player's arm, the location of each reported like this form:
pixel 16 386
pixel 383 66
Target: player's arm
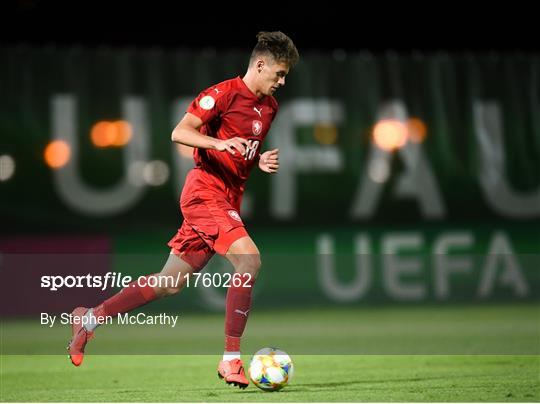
pixel 187 133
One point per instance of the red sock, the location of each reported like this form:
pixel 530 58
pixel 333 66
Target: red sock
pixel 232 344
pixel 237 309
pixel 129 298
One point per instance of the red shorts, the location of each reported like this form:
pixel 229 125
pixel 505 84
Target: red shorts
pixel 211 220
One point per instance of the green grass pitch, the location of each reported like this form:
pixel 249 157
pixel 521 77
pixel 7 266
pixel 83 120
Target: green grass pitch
pixel 192 378
pixel 372 376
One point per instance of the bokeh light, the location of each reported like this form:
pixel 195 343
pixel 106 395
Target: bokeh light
pixel 152 173
pixel 57 154
pixel 123 132
pixel 325 134
pixel 111 134
pixel 156 172
pixel 7 167
pixel 390 134
pixel 416 129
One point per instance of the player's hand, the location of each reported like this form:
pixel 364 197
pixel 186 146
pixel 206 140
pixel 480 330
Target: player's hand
pixel 234 145
pixel 269 161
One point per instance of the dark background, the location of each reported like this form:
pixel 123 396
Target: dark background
pixel 58 47
pixel 373 26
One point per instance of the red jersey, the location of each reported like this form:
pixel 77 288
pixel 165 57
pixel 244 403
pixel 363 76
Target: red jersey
pixel 229 109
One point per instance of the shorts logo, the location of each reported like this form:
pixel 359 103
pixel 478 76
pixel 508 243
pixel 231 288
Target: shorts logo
pixel 207 102
pixel 256 126
pixel 234 214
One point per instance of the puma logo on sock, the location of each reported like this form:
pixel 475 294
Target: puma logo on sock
pixel 244 313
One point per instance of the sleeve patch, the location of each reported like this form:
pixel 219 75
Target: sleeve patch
pixel 207 102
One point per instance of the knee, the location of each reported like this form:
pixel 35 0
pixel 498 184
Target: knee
pixel 166 286
pixel 167 291
pixel 250 263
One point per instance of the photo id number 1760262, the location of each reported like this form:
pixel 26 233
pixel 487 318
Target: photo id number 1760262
pixel 218 280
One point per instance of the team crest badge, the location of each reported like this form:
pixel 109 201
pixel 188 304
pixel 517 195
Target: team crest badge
pixel 256 127
pixel 234 214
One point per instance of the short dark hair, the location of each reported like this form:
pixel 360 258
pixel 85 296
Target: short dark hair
pixel 278 45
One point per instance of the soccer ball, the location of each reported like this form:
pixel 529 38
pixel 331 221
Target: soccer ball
pixel 271 369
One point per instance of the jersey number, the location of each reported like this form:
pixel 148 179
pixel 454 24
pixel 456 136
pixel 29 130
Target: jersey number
pixel 251 149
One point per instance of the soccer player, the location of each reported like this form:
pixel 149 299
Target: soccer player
pixel 226 124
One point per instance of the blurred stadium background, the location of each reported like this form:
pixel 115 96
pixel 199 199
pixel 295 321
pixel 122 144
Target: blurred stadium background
pixel 409 178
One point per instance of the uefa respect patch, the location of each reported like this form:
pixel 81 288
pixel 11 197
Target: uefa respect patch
pixel 207 102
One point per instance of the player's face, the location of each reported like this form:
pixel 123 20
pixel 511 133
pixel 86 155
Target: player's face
pixel 272 76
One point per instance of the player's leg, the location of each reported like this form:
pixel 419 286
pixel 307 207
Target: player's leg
pixel 219 224
pixel 138 293
pixel 245 257
pixel 169 281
